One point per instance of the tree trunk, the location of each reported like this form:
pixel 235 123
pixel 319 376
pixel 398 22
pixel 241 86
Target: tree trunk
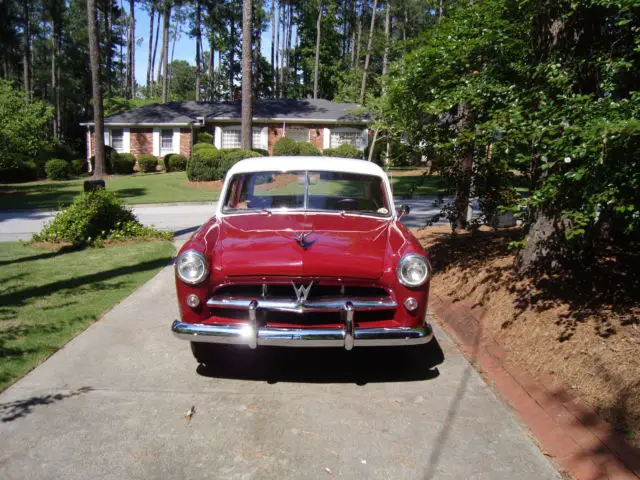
pixel 165 53
pixel 98 113
pixel 173 50
pixel 273 41
pixel 246 128
pixel 359 34
pixel 283 25
pixel 149 65
pixel 108 42
pixel 316 66
pixel 257 39
pixel 131 57
pixel 55 68
pixel 155 51
pixel 373 145
pixel 198 50
pixel 406 21
pixel 363 87
pixel 276 70
pixel 232 30
pixel 287 71
pixel 463 191
pixel 26 49
pixel 385 67
pixel 440 12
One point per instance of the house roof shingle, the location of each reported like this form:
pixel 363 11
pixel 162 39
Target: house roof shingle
pixel 180 113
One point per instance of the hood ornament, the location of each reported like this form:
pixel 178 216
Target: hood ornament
pixel 302 292
pixel 301 239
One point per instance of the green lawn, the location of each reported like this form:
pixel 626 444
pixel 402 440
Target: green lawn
pixel 46 298
pixel 416 186
pixel 131 189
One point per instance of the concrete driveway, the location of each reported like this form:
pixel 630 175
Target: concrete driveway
pixel 111 405
pixel 179 218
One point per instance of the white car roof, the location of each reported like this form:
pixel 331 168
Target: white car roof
pixel 322 164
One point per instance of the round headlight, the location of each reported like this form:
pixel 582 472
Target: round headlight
pixel 413 270
pixel 191 267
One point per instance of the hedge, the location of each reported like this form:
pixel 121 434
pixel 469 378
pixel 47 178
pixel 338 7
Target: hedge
pixel 176 163
pixel 19 171
pixel 78 166
pixel 308 149
pixel 57 169
pixel 203 164
pixel 343 151
pixel 285 146
pixel 147 163
pixel 205 137
pixel 110 157
pixel 202 146
pixel 124 163
pixel 261 151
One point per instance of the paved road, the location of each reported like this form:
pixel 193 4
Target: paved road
pixel 20 225
pixel 111 404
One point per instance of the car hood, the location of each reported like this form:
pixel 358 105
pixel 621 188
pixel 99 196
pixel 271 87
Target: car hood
pixel 337 245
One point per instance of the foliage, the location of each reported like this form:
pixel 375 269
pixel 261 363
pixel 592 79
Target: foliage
pixel 286 146
pixel 343 151
pixel 202 146
pixel 148 163
pixel 177 163
pixel 261 151
pixel 205 137
pixel 308 149
pixel 93 217
pixel 22 128
pixel 231 157
pixel 78 166
pixel 57 169
pixel 123 164
pixel 203 165
pixel 20 171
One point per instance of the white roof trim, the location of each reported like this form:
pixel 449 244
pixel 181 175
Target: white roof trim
pixel 133 124
pixel 320 164
pixel 291 120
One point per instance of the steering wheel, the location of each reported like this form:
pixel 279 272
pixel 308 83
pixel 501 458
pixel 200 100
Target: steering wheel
pixel 346 203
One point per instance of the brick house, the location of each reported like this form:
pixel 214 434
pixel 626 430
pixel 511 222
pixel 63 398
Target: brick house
pixel 173 127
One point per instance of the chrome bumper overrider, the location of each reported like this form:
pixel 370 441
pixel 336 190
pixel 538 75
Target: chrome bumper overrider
pixel 252 334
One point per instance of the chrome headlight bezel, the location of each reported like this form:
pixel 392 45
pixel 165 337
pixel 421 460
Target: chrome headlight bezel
pixel 412 257
pixel 194 254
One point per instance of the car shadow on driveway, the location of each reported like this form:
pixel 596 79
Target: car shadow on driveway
pixel 325 365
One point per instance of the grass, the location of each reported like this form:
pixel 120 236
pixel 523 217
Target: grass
pixel 131 189
pixel 48 297
pixel 410 186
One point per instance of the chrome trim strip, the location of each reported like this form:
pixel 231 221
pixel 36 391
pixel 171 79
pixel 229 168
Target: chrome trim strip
pixel 348 326
pixel 293 337
pixel 332 304
pixel 253 325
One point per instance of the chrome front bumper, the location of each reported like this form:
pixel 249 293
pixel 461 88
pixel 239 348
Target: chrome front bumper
pixel 253 334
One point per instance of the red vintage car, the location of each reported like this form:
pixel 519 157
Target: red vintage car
pixel 303 252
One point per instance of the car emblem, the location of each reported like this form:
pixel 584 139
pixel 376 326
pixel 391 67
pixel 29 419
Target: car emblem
pixel 301 238
pixel 302 292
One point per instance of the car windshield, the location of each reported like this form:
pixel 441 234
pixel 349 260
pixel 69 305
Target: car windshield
pixel 306 190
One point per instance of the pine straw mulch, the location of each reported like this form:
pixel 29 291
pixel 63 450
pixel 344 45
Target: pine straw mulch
pixel 583 328
pixel 213 185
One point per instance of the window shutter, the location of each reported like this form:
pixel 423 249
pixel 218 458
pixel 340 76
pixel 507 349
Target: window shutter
pixel 264 138
pixel 176 140
pixel 217 137
pixel 156 142
pixel 126 140
pixel 326 140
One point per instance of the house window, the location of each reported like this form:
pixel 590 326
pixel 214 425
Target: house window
pixel 345 137
pixel 298 134
pixel 231 138
pixel 166 142
pixel 117 140
pixel 256 139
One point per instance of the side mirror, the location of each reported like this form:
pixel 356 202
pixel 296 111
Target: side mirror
pixel 403 211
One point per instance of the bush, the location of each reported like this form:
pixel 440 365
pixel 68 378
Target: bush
pixel 78 166
pixel 261 151
pixel 56 151
pixel 230 158
pixel 57 169
pixel 124 163
pixel 286 146
pixel 343 151
pixel 110 157
pixel 18 171
pixel 92 217
pixel 200 146
pixel 309 149
pixel 147 163
pixel 205 137
pixel 202 166
pixel 176 163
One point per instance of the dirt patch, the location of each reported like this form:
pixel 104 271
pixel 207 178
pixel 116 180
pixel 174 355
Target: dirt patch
pixel 407 173
pixel 583 328
pixel 213 185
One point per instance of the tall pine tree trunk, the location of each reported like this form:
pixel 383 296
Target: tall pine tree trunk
pixel 149 65
pixel 367 58
pixel 232 35
pixel 276 70
pixel 108 42
pixel 198 49
pixel 359 33
pixel 283 25
pixel 131 51
pixel 385 63
pixel 273 41
pixel 26 48
pixel 55 69
pixel 155 52
pixel 247 31
pixel 316 66
pixel 165 53
pixel 98 113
